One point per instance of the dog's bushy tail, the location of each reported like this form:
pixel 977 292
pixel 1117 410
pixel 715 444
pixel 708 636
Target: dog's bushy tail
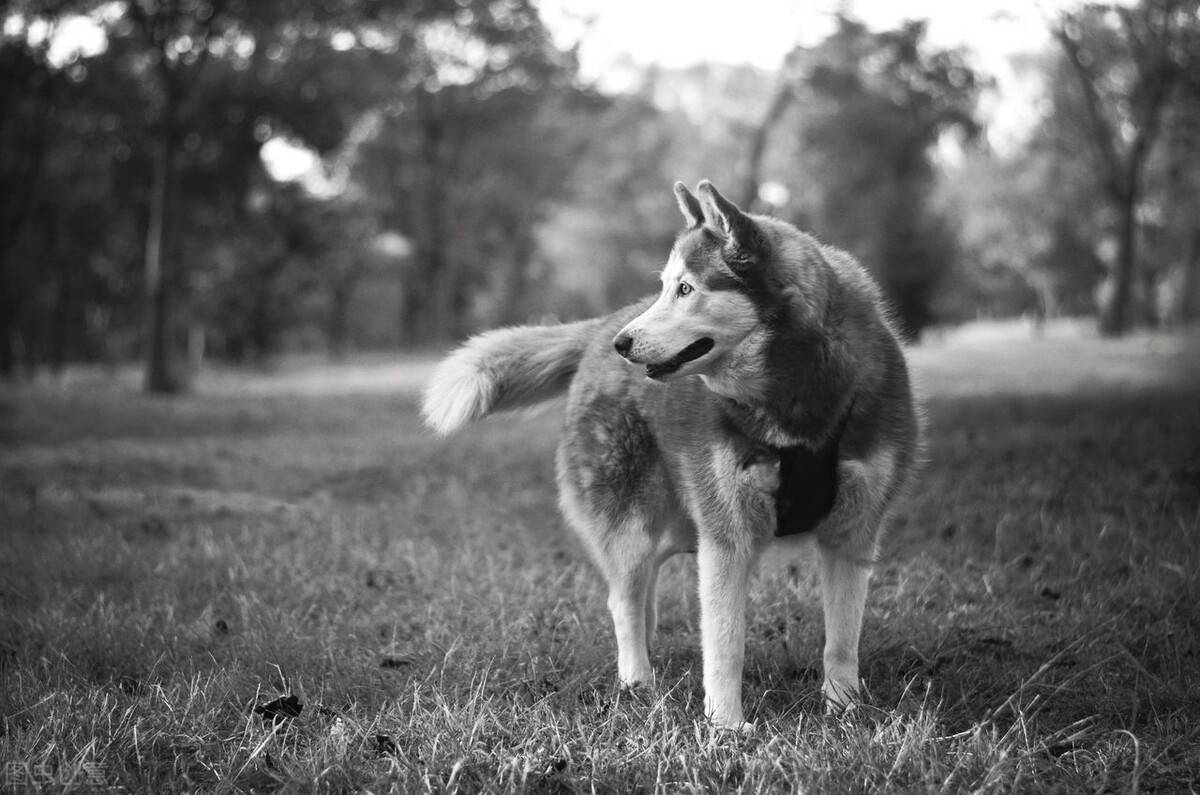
pixel 504 369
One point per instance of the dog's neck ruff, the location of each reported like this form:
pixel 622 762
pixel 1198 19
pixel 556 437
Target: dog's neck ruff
pixel 808 469
pixel 766 425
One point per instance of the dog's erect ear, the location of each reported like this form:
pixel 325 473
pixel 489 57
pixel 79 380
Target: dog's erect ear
pixel 743 237
pixel 689 205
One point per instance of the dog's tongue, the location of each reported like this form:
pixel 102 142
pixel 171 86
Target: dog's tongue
pixel 690 353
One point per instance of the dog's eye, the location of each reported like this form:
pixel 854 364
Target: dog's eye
pixel 685 288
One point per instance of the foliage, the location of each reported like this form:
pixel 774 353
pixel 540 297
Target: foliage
pixel 465 177
pixel 70 169
pixel 465 157
pixel 1026 222
pixel 1129 65
pixel 609 238
pixel 872 107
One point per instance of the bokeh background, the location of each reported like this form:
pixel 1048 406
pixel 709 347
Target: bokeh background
pixel 282 213
pixel 191 181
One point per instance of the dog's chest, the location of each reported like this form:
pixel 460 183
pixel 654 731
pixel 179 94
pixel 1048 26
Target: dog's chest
pixel 808 474
pixel 808 481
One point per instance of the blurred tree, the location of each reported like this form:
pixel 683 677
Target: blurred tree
pixel 27 103
pixel 178 37
pixel 248 252
pixel 874 105
pixel 1172 204
pixel 468 156
pixel 190 90
pixel 69 161
pixel 91 180
pixel 431 119
pixel 347 260
pixel 221 76
pixel 259 275
pixel 611 233
pixel 1127 62
pixel 791 79
pixel 1027 224
pixel 608 238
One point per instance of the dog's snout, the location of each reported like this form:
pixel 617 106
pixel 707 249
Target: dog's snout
pixel 623 343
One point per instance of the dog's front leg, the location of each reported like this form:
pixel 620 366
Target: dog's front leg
pixel 724 581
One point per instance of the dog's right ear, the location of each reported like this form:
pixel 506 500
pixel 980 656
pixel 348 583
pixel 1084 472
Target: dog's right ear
pixel 743 240
pixel 689 205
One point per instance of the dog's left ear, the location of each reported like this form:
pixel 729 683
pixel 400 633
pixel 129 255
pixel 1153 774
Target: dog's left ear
pixel 689 205
pixel 743 239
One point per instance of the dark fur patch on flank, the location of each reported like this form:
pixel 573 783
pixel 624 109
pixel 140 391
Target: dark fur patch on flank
pixel 613 454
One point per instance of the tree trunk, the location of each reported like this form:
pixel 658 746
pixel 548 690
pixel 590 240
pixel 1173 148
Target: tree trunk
pixel 338 321
pixel 515 296
pixel 263 322
pixel 1189 299
pixel 412 299
pixel 60 322
pixel 758 144
pixel 160 376
pixel 441 309
pixel 433 264
pixel 17 194
pixel 8 321
pixel 60 313
pixel 1116 316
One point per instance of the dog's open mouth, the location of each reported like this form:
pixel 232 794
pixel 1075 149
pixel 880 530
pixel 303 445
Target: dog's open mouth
pixel 688 354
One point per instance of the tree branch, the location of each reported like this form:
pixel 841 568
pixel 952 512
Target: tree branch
pixel 758 144
pixel 1103 135
pixel 1157 76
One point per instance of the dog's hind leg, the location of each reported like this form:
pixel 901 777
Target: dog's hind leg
pixel 631 579
pixel 677 536
pixel 652 602
pixel 844 594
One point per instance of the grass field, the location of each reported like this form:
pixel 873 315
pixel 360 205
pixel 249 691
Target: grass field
pixel 170 565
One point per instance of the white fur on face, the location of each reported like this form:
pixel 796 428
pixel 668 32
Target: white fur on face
pixel 673 321
pixel 740 374
pixel 674 272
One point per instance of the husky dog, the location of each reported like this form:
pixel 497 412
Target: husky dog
pixel 760 399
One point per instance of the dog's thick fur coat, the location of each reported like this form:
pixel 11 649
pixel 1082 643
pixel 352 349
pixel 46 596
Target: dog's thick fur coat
pixel 772 403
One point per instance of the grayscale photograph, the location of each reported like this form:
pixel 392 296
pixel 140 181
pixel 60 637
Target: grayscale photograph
pixel 600 396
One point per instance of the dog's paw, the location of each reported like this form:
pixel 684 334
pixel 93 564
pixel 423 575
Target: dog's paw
pixel 840 697
pixel 736 727
pixel 726 716
pixel 835 710
pixel 634 670
pixel 635 683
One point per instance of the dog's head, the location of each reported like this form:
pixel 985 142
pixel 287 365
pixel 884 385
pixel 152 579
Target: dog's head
pixel 705 309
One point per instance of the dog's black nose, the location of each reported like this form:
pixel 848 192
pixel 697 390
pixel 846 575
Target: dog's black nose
pixel 623 342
